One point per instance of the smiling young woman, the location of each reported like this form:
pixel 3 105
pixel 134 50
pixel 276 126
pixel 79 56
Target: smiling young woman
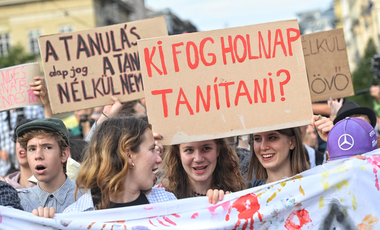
pixel 276 155
pixel 191 169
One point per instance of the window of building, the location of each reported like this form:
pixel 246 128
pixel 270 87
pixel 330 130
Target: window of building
pixel 33 41
pixel 4 44
pixel 65 28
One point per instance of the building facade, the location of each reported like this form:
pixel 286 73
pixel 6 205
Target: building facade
pixel 23 21
pixel 360 20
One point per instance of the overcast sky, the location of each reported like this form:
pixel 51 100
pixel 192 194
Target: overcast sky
pixel 220 14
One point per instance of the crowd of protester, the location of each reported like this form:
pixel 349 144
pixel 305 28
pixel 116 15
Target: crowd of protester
pixel 109 157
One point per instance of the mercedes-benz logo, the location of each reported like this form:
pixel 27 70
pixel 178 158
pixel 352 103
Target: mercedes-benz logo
pixel 346 142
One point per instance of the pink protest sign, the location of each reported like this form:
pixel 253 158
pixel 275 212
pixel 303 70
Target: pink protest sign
pixel 14 86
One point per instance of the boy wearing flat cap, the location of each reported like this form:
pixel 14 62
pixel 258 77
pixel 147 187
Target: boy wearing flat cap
pixel 47 149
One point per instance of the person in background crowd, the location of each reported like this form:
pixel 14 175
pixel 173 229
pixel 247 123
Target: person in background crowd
pixel 242 153
pixel 351 109
pixel 310 141
pixel 9 118
pixel 310 137
pixel 82 123
pixel 19 179
pixel 118 169
pixel 132 108
pixel 192 169
pixel 77 148
pixel 46 142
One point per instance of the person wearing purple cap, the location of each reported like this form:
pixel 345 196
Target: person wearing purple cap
pixel 350 137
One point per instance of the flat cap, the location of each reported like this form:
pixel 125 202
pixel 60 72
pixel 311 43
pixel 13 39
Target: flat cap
pixel 51 124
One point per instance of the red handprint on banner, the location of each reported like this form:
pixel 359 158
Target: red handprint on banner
pixel 164 221
pixel 247 206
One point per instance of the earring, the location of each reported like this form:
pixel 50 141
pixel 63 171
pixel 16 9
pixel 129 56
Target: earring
pixel 133 165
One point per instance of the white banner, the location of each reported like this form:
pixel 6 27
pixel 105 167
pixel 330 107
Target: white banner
pixel 343 195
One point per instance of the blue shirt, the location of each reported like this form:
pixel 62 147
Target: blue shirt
pixel 32 198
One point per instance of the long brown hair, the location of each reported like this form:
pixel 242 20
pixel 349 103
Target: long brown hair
pixel 226 175
pixel 105 165
pixel 298 159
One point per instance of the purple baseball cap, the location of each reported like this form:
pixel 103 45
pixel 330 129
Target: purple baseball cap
pixel 350 137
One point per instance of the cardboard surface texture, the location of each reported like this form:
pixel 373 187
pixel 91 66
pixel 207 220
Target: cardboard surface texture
pixel 84 68
pixel 226 82
pixel 15 90
pixel 327 65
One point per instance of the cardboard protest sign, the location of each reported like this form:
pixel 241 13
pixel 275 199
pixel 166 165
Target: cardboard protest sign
pixel 332 196
pixel 14 86
pixel 327 65
pixel 225 82
pixel 83 69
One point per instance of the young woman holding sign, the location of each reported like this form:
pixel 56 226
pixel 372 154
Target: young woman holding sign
pixel 191 169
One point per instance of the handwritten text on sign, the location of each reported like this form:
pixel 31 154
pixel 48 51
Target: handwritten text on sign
pixel 223 78
pixel 84 68
pixel 327 65
pixel 14 86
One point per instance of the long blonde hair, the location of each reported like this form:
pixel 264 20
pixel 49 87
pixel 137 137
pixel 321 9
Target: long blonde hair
pixel 105 164
pixel 226 175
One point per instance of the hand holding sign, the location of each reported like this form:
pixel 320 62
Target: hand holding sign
pixel 323 126
pixel 110 110
pixel 40 90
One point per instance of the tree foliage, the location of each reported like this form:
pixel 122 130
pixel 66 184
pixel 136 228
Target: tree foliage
pixel 16 56
pixel 362 76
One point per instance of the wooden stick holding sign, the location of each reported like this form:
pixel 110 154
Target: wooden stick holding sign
pixel 83 69
pixel 327 65
pixel 225 82
pixel 15 91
